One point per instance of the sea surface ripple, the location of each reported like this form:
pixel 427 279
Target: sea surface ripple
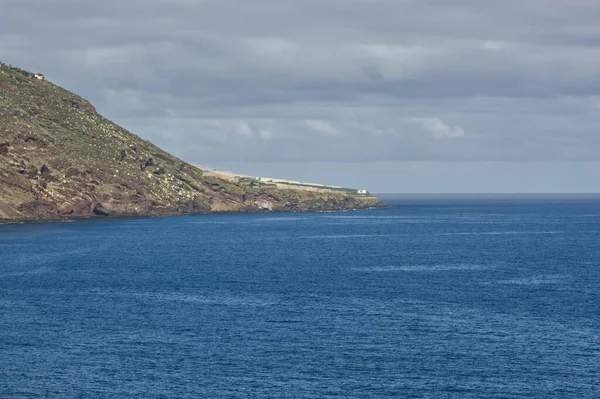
pixel 442 299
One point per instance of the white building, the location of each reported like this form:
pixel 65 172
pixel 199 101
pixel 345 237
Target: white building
pixel 363 192
pixel 39 76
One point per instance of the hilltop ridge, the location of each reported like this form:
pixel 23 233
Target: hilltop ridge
pixel 60 158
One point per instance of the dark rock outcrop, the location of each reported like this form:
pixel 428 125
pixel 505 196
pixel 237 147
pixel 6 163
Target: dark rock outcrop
pixel 45 172
pixel 101 211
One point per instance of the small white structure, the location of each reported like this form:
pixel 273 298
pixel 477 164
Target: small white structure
pixel 39 76
pixel 363 192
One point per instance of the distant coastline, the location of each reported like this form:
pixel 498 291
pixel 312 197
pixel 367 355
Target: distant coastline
pixel 489 196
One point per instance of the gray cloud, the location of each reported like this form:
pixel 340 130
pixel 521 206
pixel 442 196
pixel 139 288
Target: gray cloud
pixel 328 80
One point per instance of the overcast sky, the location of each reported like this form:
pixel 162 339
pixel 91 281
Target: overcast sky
pixel 388 95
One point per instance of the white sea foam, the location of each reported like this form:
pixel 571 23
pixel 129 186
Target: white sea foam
pixel 224 299
pixel 249 221
pixel 39 270
pixel 48 257
pixel 216 222
pixel 537 280
pixel 338 236
pixel 411 219
pixel 424 268
pixel 282 219
pixel 493 233
pixel 370 217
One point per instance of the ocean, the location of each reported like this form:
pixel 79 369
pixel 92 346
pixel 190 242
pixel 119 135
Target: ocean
pixel 438 298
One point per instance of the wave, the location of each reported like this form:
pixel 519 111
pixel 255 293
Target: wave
pixel 338 236
pixel 211 299
pixel 514 232
pixel 42 258
pixel 218 222
pixel 281 219
pixel 249 221
pixel 536 280
pixel 425 268
pixel 40 270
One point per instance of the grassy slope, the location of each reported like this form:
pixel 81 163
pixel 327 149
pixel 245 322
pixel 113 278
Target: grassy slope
pixel 58 157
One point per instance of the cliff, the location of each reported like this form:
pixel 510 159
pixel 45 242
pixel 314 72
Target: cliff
pixel 60 158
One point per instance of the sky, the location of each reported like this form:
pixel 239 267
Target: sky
pixel 393 96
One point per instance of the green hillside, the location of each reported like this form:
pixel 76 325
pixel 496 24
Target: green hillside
pixel 60 158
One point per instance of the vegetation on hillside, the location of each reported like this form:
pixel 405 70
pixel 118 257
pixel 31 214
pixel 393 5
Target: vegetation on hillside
pixel 59 157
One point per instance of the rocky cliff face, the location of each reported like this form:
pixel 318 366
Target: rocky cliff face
pixel 60 158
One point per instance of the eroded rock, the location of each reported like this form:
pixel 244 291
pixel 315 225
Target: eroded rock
pixel 264 205
pixel 4 147
pixel 101 210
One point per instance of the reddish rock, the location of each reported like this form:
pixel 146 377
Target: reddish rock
pixel 83 207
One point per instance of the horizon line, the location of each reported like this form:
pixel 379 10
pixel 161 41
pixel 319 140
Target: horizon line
pixel 491 194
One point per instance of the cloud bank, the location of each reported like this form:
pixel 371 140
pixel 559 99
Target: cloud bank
pixel 347 81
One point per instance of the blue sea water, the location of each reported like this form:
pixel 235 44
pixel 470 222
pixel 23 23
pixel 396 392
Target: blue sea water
pixel 425 299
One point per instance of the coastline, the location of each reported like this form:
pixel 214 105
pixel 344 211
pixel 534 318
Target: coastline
pixel 117 216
